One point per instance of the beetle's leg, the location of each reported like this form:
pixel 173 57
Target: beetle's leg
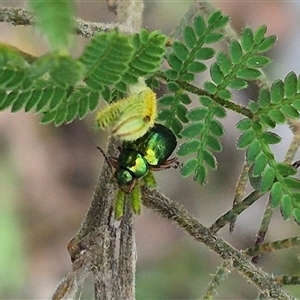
pixel 170 163
pixel 129 187
pixel 113 161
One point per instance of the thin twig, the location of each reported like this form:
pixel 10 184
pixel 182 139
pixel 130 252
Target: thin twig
pixel 180 216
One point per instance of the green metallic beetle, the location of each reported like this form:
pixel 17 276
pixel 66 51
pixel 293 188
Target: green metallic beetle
pixel 149 152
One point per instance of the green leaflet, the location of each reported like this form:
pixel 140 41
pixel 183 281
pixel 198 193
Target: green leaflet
pixel 55 20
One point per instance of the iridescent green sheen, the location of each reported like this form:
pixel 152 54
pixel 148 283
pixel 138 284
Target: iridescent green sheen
pixel 150 151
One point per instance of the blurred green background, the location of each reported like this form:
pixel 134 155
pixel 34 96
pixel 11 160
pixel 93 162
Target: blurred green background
pixel 47 176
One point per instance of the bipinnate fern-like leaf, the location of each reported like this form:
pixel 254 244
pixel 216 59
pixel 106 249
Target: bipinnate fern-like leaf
pixel 149 49
pixel 202 134
pixel 242 65
pixel 106 59
pixel 63 88
pixel 185 60
pixel 273 107
pixel 229 71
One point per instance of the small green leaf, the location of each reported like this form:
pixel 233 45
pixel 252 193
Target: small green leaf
pixel 181 112
pixel 196 67
pixel 285 169
pixel 48 117
pixel 290 85
pixel 276 194
pixel 292 182
pixel 175 63
pixel 192 130
pixel 163 114
pixel 199 25
pixel 9 99
pixel 253 106
pixel 214 17
pixel 94 98
pixel 189 77
pixel 259 34
pixel 235 52
pixel 173 86
pixel 180 50
pixel 267 179
pixel 271 137
pixel 216 74
pixel 244 124
pixel 267 43
pixel 264 98
pixel 259 164
pixel 237 84
pixel 286 206
pixel 60 115
pixel 210 87
pixel 289 111
pixel 83 108
pixel 213 38
pixel 72 112
pixel 296 199
pixel 188 147
pixel 296 104
pixel 213 143
pixel 143 36
pixel 253 150
pixel 201 174
pixel 219 111
pixel 20 101
pixel 277 91
pixel 247 39
pixel 17 80
pixel 296 214
pixel 265 119
pixel 258 61
pixel 205 101
pixel 184 99
pixel 224 94
pixel 176 126
pixel 205 53
pixel 276 115
pixel 248 73
pixel 197 114
pixel 189 37
pixel 224 63
pixel 223 21
pixel 167 100
pixel 246 138
pixel 216 128
pixel 59 94
pixel 189 167
pixel 45 98
pixel 210 159
pixel 35 97
pixel 171 75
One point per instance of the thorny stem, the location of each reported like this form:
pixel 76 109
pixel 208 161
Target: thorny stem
pixel 179 215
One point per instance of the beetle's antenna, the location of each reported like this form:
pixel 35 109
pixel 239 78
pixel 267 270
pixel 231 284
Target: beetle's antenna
pixel 106 158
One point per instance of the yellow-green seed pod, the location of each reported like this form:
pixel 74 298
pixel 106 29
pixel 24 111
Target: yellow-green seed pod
pixel 132 117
